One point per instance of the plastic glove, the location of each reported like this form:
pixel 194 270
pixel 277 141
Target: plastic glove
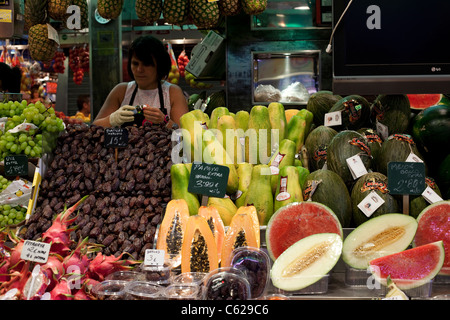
pixel 122 115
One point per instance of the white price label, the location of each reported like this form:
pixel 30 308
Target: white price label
pixel 35 251
pixel 413 158
pixel 154 257
pixel 356 166
pixel 333 119
pixel 370 203
pixel 431 196
pixel 382 130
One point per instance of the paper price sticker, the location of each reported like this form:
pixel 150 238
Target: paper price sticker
pixel 413 158
pixel 370 203
pixel 356 166
pixel 382 130
pixel 154 257
pixel 333 119
pixel 35 251
pixel 431 196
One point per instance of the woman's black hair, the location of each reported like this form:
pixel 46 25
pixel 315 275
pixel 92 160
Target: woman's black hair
pixel 148 49
pixel 10 78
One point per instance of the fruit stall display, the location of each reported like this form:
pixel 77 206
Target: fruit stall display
pixel 285 225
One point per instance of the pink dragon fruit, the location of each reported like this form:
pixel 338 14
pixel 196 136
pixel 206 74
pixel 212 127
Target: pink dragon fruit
pixel 61 291
pixel 53 269
pixel 36 286
pixel 18 279
pixel 59 232
pixel 103 265
pixel 76 261
pixel 15 261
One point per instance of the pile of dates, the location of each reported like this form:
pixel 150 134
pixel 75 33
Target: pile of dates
pixel 127 188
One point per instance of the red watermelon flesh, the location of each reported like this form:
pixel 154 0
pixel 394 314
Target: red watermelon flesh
pixel 423 101
pixel 434 225
pixel 410 268
pixel 296 221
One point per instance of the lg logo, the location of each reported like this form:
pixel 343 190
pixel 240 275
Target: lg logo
pixel 374 20
pixel 436 69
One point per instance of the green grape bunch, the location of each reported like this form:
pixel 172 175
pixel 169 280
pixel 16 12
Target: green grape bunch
pixel 11 215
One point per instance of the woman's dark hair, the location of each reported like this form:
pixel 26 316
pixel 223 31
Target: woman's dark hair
pixel 148 49
pixel 10 78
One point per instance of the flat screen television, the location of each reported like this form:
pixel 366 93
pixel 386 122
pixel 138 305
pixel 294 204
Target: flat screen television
pixel 391 47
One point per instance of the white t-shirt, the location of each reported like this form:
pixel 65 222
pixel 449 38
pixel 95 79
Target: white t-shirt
pixel 148 97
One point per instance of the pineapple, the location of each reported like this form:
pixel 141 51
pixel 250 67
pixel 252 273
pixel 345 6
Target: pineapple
pixel 253 7
pixel 110 9
pixel 230 7
pixel 35 12
pixel 40 46
pixel 148 11
pixel 175 11
pixel 57 9
pixel 204 14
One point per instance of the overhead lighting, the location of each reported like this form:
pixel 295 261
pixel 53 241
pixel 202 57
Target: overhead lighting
pixel 301 8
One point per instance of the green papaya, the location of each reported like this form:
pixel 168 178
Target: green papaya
pixel 192 132
pixel 230 138
pixel 244 171
pixel 180 181
pixel 216 114
pixel 309 117
pixel 258 147
pixel 297 131
pixel 302 174
pixel 215 153
pixel 226 208
pixel 277 117
pixel 241 120
pixel 260 193
pixel 288 188
pixel 284 156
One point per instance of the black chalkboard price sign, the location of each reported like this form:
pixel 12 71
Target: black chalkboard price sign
pixel 406 178
pixel 116 138
pixel 208 179
pixel 16 165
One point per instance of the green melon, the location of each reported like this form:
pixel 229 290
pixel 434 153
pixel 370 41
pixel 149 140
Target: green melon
pixel 410 268
pixel 316 144
pixel 319 103
pixel 344 145
pixel 328 188
pixel 396 148
pixel 374 141
pixel 296 221
pixel 372 181
pixel 378 237
pixel 392 111
pixel 418 203
pixel 355 112
pixel 306 261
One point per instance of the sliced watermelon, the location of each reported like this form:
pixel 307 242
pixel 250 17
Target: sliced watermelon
pixel 296 221
pixel 423 101
pixel 434 225
pixel 410 268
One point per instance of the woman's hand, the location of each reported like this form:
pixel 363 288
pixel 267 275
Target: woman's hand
pixel 152 114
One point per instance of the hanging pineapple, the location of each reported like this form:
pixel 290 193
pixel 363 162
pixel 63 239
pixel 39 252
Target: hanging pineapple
pixel 110 9
pixel 148 11
pixel 204 14
pixel 57 9
pixel 35 12
pixel 176 11
pixel 230 7
pixel 41 47
pixel 253 7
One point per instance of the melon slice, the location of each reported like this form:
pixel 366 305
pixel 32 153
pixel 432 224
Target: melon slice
pixel 434 225
pixel 423 101
pixel 306 261
pixel 296 221
pixel 410 268
pixel 378 237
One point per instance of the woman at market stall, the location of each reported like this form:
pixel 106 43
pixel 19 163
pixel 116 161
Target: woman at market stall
pixel 148 65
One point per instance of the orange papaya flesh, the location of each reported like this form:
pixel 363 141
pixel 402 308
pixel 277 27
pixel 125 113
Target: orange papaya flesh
pixel 215 223
pixel 253 213
pixel 172 228
pixel 199 250
pixel 240 233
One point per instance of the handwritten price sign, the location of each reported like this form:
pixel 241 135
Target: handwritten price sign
pixel 208 179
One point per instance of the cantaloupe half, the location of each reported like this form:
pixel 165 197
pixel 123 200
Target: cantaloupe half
pixel 306 261
pixel 377 237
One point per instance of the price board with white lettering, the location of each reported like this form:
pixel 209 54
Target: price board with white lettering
pixel 208 179
pixel 16 165
pixel 116 137
pixel 407 178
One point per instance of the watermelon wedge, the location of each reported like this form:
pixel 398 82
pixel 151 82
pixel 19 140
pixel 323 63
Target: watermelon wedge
pixel 423 101
pixel 296 221
pixel 434 225
pixel 410 268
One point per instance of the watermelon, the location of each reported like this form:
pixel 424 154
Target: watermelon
pixel 328 188
pixel 434 225
pixel 378 237
pixel 296 221
pixel 423 101
pixel 410 268
pixel 306 261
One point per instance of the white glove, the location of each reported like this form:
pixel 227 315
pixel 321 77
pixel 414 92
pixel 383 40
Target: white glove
pixel 121 115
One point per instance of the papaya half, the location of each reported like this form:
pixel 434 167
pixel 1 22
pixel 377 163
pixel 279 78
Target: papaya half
pixel 215 223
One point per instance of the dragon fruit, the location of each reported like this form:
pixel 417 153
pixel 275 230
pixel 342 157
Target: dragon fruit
pixel 61 291
pixel 53 269
pixel 76 261
pixel 36 285
pixel 58 235
pixel 15 261
pixel 103 265
pixel 18 279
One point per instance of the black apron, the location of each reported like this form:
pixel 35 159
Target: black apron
pixel 139 117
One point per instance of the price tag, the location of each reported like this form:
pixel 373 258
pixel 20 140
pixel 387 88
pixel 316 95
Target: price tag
pixel 333 119
pixel 431 196
pixel 16 165
pixel 356 166
pixel 370 203
pixel 116 137
pixel 35 251
pixel 413 158
pixel 382 130
pixel 154 257
pixel 406 178
pixel 208 179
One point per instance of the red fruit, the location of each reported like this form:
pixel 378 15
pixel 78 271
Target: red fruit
pixel 61 291
pixel 54 269
pixel 18 279
pixel 40 285
pixel 15 261
pixel 77 262
pixel 102 265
